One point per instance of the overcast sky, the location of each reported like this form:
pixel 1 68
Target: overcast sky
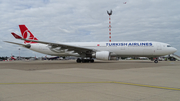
pixel 87 21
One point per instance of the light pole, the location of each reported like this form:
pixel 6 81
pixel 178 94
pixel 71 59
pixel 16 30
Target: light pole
pixel 19 53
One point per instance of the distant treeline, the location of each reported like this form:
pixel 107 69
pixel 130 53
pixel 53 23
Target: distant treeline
pixel 3 58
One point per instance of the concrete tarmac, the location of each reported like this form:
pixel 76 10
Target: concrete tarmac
pixel 66 80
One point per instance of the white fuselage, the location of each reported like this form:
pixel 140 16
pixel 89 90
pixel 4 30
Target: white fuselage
pixel 134 48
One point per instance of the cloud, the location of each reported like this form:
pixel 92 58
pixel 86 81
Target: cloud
pixel 87 20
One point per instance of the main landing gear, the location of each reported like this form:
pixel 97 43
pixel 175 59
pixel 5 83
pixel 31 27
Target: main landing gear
pixel 84 60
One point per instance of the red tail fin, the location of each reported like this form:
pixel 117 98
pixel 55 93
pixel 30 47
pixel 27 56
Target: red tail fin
pixel 26 34
pixel 13 58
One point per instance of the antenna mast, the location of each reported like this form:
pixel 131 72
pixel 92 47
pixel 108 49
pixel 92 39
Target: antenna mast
pixel 109 13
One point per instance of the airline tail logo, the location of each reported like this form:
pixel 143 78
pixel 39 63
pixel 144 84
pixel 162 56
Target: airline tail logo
pixel 27 34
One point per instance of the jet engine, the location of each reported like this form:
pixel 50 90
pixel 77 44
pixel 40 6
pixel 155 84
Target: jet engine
pixel 27 46
pixel 102 55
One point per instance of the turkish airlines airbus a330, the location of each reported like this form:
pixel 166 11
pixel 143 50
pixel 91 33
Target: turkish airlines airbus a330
pixel 89 50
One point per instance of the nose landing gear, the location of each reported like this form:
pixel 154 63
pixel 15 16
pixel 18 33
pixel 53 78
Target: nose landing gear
pixel 156 60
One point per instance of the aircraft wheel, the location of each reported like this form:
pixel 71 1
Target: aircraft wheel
pixel 92 60
pixel 87 60
pixel 83 60
pixel 155 61
pixel 78 60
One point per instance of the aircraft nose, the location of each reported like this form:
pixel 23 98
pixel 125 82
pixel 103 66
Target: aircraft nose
pixel 174 50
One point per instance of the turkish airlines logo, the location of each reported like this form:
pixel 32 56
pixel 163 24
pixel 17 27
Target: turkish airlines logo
pixel 27 35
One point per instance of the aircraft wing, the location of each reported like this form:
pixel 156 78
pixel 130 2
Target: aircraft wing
pixel 77 49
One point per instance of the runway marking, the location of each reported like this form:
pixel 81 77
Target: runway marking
pixel 53 83
pixel 140 85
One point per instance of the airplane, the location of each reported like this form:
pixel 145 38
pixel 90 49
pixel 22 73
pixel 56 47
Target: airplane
pixel 87 51
pixel 11 58
pixel 52 58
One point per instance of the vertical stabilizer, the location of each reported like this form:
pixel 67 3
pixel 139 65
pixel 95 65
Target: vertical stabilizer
pixel 26 34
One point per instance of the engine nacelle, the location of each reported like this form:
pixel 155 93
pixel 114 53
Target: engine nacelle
pixel 102 55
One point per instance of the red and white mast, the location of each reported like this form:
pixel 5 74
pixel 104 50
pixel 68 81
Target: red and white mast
pixel 109 13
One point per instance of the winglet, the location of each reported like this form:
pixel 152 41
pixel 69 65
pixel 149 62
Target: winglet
pixel 16 36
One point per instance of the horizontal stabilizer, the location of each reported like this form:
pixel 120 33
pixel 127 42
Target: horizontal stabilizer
pixel 16 36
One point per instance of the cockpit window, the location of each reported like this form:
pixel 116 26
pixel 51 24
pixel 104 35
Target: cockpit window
pixel 168 46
